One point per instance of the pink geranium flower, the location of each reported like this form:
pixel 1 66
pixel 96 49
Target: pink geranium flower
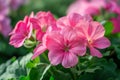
pixel 87 29
pixel 64 49
pixel 70 23
pixel 21 32
pixel 82 7
pixel 43 23
pixel 93 32
pixel 116 23
pixel 113 6
pixel 5 27
pixel 4 9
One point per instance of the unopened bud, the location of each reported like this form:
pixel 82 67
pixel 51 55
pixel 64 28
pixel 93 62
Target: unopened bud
pixel 29 43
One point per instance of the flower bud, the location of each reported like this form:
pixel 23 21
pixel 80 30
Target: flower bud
pixel 29 44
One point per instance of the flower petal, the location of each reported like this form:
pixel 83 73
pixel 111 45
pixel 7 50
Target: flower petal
pixel 78 47
pixel 97 30
pixel 74 19
pixel 62 22
pixel 101 43
pixel 55 57
pixel 17 27
pixel 17 40
pixel 36 23
pixel 69 34
pixel 54 41
pixel 69 60
pixel 38 50
pixel 39 35
pixel 95 52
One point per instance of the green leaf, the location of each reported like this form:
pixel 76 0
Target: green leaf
pixel 91 70
pixel 4 66
pixel 16 69
pixel 12 79
pixel 39 71
pixel 51 78
pixel 107 53
pixel 105 70
pixel 117 50
pixel 88 76
pixel 107 65
pixel 33 63
pixel 59 75
pixel 24 78
pixel 118 75
pixel 108 28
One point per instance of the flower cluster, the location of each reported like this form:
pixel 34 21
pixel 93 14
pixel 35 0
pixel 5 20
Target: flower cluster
pixel 94 7
pixel 65 38
pixel 4 20
pixel 5 6
pixel 91 7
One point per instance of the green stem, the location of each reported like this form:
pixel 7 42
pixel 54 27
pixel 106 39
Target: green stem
pixel 45 57
pixel 46 69
pixel 73 74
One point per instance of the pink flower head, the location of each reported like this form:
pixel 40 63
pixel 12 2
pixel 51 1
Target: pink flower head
pixel 4 8
pixel 21 32
pixel 113 6
pixel 82 7
pixel 116 23
pixel 5 27
pixel 86 29
pixel 71 23
pixel 43 23
pixel 64 49
pixel 93 32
